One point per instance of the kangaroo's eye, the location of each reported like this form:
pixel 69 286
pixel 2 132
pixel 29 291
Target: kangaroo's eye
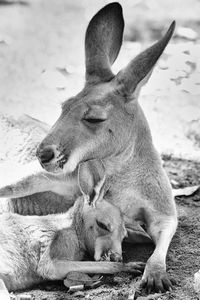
pixel 102 226
pixel 94 120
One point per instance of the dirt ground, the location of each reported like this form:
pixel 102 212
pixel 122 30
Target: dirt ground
pixel 42 64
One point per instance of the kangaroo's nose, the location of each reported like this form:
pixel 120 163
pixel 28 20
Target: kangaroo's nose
pixel 45 155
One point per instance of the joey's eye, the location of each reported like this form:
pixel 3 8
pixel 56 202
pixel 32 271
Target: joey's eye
pixel 94 120
pixel 102 226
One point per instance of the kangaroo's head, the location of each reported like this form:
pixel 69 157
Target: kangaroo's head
pixel 104 119
pixel 103 226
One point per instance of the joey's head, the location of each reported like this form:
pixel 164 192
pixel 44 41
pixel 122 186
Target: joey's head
pixel 103 225
pixel 104 119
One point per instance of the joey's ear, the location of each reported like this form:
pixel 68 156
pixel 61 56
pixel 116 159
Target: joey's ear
pixel 91 176
pixel 102 42
pixel 130 79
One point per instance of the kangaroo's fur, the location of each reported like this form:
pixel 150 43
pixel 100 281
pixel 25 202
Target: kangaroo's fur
pixel 37 248
pixel 105 121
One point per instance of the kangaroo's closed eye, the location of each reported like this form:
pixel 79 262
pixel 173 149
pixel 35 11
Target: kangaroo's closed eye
pixel 94 120
pixel 102 225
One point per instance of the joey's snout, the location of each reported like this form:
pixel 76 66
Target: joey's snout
pixel 107 249
pixel 114 256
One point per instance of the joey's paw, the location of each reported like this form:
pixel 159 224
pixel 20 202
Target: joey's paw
pixel 114 256
pixel 155 278
pixel 111 256
pixel 135 267
pixel 104 257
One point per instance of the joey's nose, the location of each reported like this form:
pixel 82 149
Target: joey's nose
pixel 116 257
pixel 45 155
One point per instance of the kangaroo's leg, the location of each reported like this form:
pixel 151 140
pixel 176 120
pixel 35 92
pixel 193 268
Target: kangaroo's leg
pixel 39 182
pixel 161 230
pixel 61 268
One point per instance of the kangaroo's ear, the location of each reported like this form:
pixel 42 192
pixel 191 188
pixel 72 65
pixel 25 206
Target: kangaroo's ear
pixel 102 42
pixel 130 79
pixel 91 176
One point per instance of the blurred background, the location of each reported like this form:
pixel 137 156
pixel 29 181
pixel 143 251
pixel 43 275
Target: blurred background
pixel 42 64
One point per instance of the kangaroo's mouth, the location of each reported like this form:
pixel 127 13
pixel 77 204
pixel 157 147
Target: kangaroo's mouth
pixel 70 165
pixel 73 160
pixel 56 165
pixel 62 164
pixel 51 167
pixel 62 161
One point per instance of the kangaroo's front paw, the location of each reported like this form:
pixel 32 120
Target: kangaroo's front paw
pixel 134 267
pixel 155 277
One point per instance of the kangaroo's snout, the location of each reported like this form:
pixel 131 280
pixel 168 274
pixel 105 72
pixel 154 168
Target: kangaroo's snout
pixel 50 157
pixel 45 155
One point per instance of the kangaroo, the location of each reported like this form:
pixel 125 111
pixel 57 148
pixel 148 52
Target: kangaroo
pixel 105 121
pixel 48 247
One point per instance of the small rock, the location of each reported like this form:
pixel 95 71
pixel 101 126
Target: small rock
pixel 24 297
pixel 131 295
pixel 76 288
pixel 79 294
pixel 186 33
pixel 197 282
pixel 155 296
pixel 118 279
pixel 174 183
pixel 4 294
pixel 187 191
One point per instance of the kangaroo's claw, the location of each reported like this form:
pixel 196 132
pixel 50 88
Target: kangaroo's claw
pixel 157 283
pixel 156 279
pixel 135 267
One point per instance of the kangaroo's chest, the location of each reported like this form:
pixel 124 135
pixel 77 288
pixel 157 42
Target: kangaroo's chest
pixel 130 202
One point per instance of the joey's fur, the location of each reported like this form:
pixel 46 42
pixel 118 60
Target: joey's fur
pixel 105 121
pixel 37 248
